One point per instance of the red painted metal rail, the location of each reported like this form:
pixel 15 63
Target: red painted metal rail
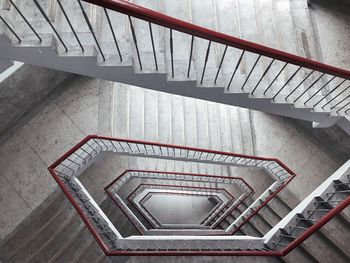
pixel 155 17
pixel 179 186
pixel 177 173
pixel 110 252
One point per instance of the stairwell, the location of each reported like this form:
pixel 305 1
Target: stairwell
pixel 129 51
pixel 54 232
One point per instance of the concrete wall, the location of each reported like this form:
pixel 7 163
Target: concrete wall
pixel 79 107
pixel 22 89
pixel 46 133
pixel 82 108
pixel 332 19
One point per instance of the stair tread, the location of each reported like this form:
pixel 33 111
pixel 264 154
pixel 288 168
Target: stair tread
pixel 48 212
pixel 182 42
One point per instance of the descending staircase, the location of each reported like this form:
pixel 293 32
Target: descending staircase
pixel 198 62
pixel 51 234
pixel 54 233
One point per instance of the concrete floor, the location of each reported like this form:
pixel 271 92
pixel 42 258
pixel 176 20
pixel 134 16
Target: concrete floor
pixel 170 209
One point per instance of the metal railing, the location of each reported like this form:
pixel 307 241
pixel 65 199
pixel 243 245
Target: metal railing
pixel 170 177
pixel 334 192
pixel 75 161
pixel 326 201
pixel 270 73
pixel 152 192
pixel 246 188
pixel 198 191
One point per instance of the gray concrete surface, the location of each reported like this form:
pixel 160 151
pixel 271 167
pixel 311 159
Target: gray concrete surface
pixel 45 137
pixel 88 106
pixel 178 209
pixel 290 26
pixel 46 134
pixel 333 27
pixel 25 88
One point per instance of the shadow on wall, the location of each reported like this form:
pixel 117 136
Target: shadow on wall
pixel 24 89
pixel 333 5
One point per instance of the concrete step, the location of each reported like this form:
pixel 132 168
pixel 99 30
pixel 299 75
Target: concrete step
pixel 190 119
pixel 44 246
pixel 227 21
pixel 206 53
pixel 258 221
pixel 181 43
pixel 49 213
pixel 248 227
pixel 164 118
pixel 299 254
pixel 59 242
pixel 136 113
pixel 76 247
pixel 144 39
pixel 284 16
pixel 316 241
pixel 151 120
pixel 93 253
pixel 267 26
pixel 121 100
pixel 177 120
pixel 333 231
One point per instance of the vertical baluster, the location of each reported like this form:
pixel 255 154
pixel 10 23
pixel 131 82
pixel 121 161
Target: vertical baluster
pixel 334 89
pixel 91 29
pixel 285 84
pixel 190 59
pixel 251 71
pixel 220 65
pixel 275 78
pixel 70 24
pixel 236 68
pixel 335 97
pixel 172 53
pixel 11 29
pixel 329 81
pixel 113 34
pixel 205 61
pixel 135 42
pixel 51 25
pixel 153 47
pixel 263 75
pixel 313 84
pixel 340 102
pixel 25 20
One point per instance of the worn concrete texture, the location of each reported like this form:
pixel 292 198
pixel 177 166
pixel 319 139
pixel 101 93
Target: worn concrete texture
pixel 47 132
pixel 82 108
pixel 193 209
pixel 332 19
pixel 25 88
pixel 87 106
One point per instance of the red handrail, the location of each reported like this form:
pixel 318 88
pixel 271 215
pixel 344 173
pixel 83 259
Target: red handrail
pixel 155 17
pixel 173 185
pixel 90 137
pixel 315 227
pixel 183 173
pixel 178 173
pixel 345 203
